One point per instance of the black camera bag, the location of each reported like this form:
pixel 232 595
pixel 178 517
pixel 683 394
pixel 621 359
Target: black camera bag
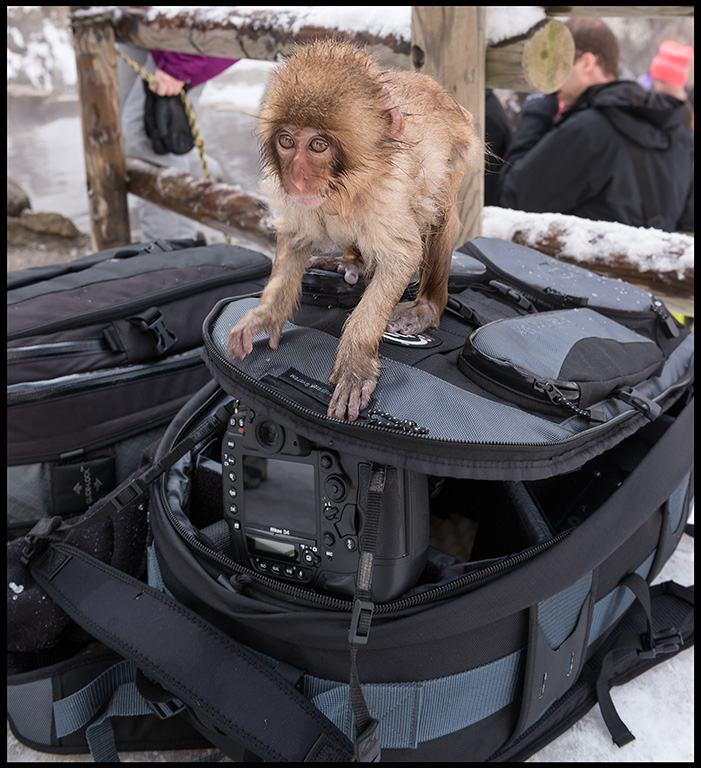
pixel 102 352
pixel 577 509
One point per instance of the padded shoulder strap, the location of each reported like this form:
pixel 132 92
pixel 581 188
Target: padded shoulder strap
pixel 221 683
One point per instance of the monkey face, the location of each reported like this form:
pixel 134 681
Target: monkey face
pixel 306 161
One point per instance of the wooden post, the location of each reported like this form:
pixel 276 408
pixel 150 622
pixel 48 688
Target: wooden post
pixel 93 39
pixel 448 42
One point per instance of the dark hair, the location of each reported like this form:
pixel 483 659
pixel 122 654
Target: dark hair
pixel 591 34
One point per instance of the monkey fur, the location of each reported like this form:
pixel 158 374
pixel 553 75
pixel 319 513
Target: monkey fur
pixel 371 162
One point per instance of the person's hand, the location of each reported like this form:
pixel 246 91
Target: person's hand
pixel 167 85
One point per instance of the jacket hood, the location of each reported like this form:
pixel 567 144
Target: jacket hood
pixel 645 117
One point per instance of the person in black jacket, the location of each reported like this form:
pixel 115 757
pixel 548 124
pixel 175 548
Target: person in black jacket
pixel 616 153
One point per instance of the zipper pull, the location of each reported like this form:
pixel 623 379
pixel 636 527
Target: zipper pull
pixel 558 398
pixel 567 298
pixel 665 317
pixel 382 419
pixel 647 407
pixel 513 295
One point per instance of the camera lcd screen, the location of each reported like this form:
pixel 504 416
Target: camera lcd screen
pixel 280 494
pixel 280 549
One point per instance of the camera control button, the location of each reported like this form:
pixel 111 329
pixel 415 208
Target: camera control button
pixel 346 526
pixel 276 569
pixel 262 565
pixel 310 558
pixel 329 539
pixel 331 513
pixel 335 488
pixel 232 493
pixel 350 544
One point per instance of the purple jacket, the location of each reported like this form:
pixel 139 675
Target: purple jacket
pixel 190 66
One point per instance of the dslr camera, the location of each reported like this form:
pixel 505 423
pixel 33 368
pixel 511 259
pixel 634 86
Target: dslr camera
pixel 296 511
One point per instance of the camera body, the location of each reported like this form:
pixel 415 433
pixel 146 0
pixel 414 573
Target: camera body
pixel 296 511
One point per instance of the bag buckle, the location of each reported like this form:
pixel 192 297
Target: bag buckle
pixel 366 744
pixel 151 321
pixel 360 622
pixel 668 640
pixel 166 709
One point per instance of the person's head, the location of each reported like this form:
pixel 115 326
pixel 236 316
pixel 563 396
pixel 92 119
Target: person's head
pixel 670 68
pixel 596 53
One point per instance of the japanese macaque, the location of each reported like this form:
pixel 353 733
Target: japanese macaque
pixel 369 162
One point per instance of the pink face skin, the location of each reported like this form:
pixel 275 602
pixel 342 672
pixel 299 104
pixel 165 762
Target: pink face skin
pixel 306 160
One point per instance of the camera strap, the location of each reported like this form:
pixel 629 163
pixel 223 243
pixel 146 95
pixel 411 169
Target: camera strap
pixel 56 528
pixel 232 697
pixel 366 743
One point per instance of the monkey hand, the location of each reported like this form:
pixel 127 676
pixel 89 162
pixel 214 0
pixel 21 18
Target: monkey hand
pixel 411 317
pixel 240 341
pixel 351 269
pixel 354 386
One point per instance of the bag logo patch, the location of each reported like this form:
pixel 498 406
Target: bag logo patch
pixel 411 340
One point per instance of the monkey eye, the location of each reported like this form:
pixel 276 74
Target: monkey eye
pixel 317 144
pixel 285 141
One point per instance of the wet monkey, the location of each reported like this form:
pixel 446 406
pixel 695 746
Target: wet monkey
pixel 370 162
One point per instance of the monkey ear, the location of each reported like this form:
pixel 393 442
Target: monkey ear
pixel 393 115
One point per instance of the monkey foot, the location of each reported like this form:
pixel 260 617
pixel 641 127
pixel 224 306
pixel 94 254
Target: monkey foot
pixel 240 340
pixel 412 317
pixel 351 269
pixel 349 398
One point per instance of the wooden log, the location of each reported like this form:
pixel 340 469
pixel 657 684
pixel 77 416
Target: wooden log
pixel 661 262
pixel 649 11
pixel 93 39
pixel 448 42
pixel 220 206
pixel 231 32
pixel 266 34
pixel 537 62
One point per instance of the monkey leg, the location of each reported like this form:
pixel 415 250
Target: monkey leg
pixel 350 265
pixel 411 317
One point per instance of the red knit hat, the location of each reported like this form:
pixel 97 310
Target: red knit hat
pixel 672 63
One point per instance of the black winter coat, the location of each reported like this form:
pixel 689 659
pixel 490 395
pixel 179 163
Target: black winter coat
pixel 620 153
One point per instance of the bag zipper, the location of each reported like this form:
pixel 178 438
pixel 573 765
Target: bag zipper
pixel 547 294
pixel 396 434
pixel 29 392
pixel 56 349
pixel 309 596
pixel 115 312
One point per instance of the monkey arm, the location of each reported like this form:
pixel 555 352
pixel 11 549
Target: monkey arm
pixel 277 302
pixel 357 366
